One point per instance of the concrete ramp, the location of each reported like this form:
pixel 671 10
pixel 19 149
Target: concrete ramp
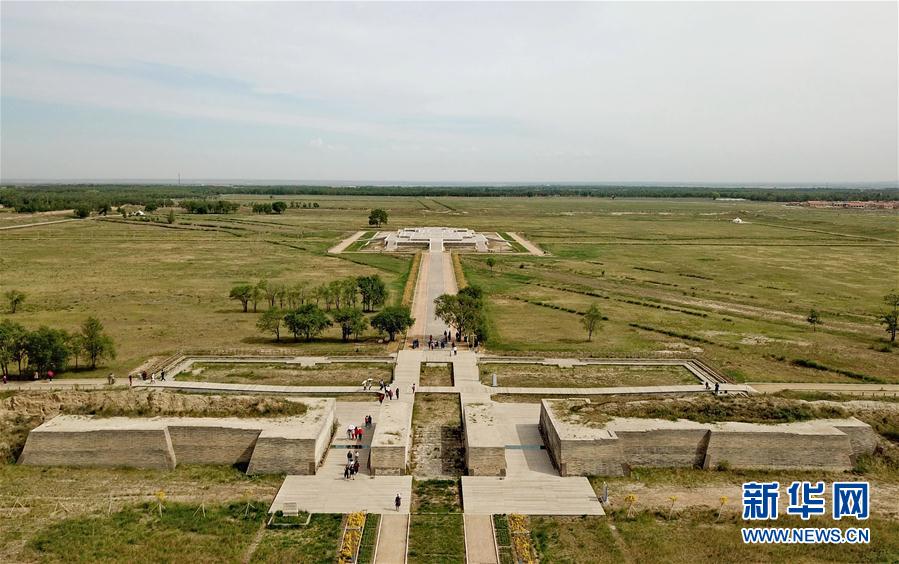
pixel 530 496
pixel 337 495
pixel 480 544
pixel 392 539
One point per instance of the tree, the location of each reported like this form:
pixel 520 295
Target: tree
pixel 814 318
pixel 243 293
pixel 392 320
pixel 170 218
pixel 76 346
pixel 307 320
pixel 373 290
pixel 14 298
pixel 351 321
pixel 279 207
pixel 463 311
pixel 377 217
pixel 491 262
pixel 270 322
pixel 12 343
pixel 82 211
pixel 97 345
pixel 47 349
pixel 591 320
pixel 890 318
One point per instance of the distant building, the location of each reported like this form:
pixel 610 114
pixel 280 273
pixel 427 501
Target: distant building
pixel 736 220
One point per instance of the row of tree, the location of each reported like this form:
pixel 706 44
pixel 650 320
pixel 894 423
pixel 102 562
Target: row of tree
pixel 269 207
pixel 46 348
pixel 209 206
pixel 369 291
pixel 309 320
pixel 34 198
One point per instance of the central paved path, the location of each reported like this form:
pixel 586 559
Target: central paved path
pixel 435 278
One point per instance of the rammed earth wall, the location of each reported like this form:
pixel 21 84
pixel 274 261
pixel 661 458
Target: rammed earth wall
pixel 291 445
pixel 581 450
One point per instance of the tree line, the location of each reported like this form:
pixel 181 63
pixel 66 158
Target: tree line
pixel 46 348
pixel 307 311
pixel 50 197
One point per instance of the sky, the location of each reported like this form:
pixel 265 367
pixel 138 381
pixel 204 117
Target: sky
pixel 455 92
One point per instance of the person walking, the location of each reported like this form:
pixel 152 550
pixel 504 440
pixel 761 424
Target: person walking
pixel 397 392
pixel 380 398
pixel 5 380
pixel 130 379
pixel 349 457
pixel 716 388
pixel 356 467
pixel 397 502
pixel 413 387
pixel 346 472
pixel 162 374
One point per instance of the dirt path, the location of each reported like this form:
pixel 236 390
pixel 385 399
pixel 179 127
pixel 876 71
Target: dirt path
pixel 532 248
pixel 342 246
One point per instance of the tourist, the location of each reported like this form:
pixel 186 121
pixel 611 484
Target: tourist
pixel 716 388
pixel 110 379
pixel 153 378
pixel 397 392
pixel 380 398
pixel 130 379
pixel 162 374
pixel 4 379
pixel 350 431
pixel 346 472
pixel 352 471
pixel 389 393
pixel 356 456
pixel 356 467
pixel 49 376
pixel 349 457
pixel 455 351
pixel 382 385
pixel 413 387
pixel 397 502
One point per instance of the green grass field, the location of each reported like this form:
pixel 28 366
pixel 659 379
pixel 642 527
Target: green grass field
pixel 694 282
pixel 334 374
pixel 540 376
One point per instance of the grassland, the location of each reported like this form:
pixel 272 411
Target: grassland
pixel 590 376
pixel 698 537
pixel 334 374
pixel 695 283
pixel 96 496
pixel 315 543
pixel 436 539
pixel 436 374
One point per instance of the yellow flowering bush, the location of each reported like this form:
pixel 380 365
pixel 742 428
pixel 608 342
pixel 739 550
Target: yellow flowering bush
pixel 352 536
pixel 521 538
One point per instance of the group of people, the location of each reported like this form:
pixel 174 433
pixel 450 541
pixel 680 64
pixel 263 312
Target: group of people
pixel 144 377
pixel 385 391
pixel 352 465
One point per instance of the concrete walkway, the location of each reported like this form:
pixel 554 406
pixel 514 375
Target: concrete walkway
pixel 435 278
pixel 64 384
pixel 393 538
pixel 219 387
pixel 480 543
pixel 342 246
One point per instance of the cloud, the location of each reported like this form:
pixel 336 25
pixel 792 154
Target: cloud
pixel 596 91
